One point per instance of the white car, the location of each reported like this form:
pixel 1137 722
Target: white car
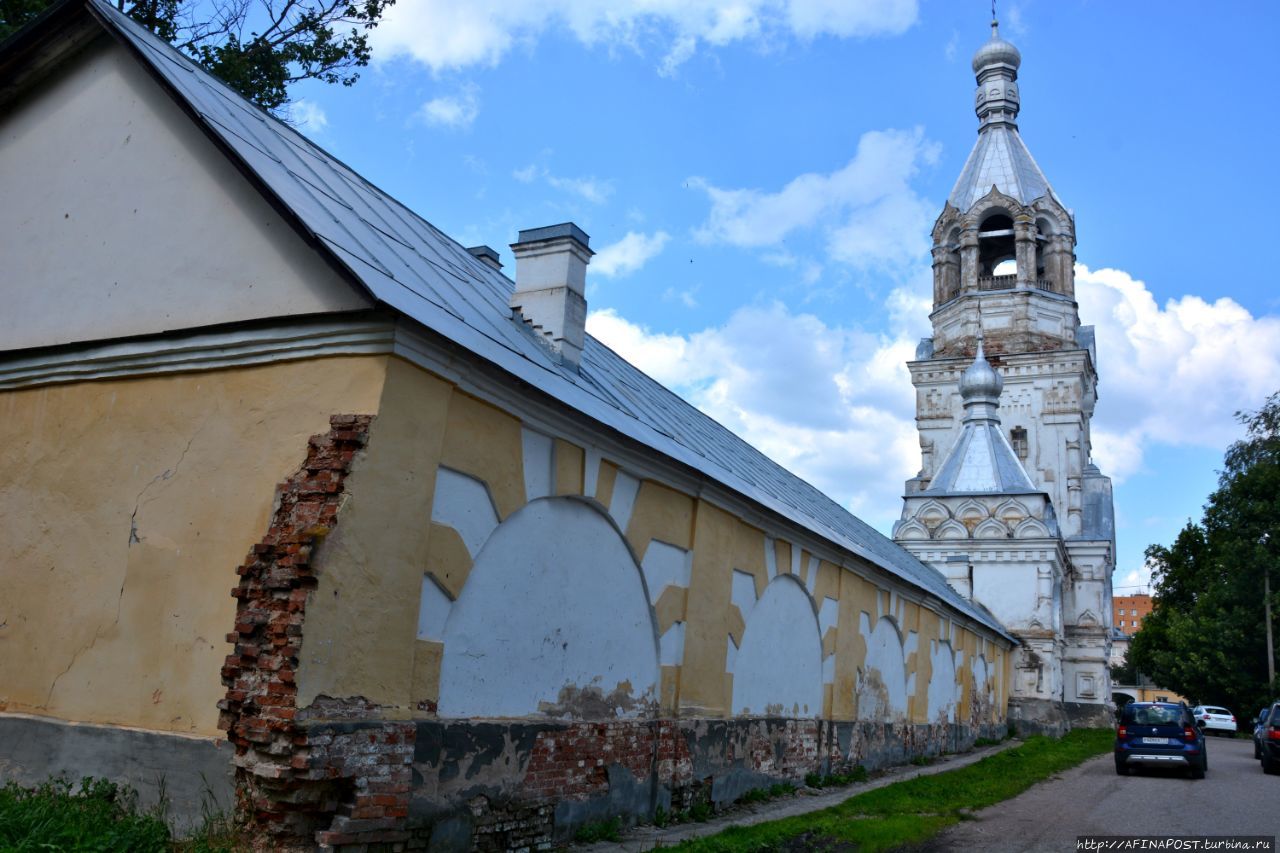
pixel 1211 718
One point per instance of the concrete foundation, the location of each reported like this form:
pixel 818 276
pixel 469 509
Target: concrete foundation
pixel 1090 715
pixel 194 773
pixel 1038 717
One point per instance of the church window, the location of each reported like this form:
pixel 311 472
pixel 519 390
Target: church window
pixel 1018 438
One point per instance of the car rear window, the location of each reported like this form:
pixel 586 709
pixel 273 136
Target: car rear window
pixel 1223 711
pixel 1153 715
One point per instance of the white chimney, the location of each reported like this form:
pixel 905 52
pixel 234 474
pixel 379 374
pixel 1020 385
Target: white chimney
pixel 551 280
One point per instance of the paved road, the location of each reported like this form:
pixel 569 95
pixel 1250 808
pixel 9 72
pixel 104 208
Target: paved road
pixel 1234 798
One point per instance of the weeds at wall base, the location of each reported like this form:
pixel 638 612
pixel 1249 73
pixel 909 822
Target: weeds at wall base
pixel 98 814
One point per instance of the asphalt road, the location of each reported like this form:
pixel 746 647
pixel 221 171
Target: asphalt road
pixel 1234 798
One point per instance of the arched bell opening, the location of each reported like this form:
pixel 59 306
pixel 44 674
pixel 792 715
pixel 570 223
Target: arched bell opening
pixel 997 251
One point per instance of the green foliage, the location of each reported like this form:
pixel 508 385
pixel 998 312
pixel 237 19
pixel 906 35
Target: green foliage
pixel 921 760
pixel 836 780
pixel 661 818
pixel 15 13
pixel 99 815
pixel 601 830
pixel 700 812
pixel 96 816
pixel 1205 637
pixel 988 741
pixel 257 47
pixel 1125 672
pixel 911 812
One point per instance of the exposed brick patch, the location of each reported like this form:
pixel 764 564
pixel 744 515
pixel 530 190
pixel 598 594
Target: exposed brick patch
pixel 297 773
pixel 511 827
pixel 573 763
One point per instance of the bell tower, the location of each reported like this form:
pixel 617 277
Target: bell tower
pixel 1004 299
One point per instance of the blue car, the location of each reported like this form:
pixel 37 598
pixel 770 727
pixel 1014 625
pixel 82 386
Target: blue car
pixel 1159 734
pixel 1266 739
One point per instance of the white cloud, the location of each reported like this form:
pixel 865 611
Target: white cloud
pixel 868 210
pixel 455 111
pixel 1175 374
pixel 628 254
pixel 308 116
pixel 527 175
pixel 831 404
pixel 592 189
pixel 836 406
pixel 687 298
pixel 444 34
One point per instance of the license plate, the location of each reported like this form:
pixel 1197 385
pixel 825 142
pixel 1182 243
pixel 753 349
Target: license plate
pixel 1159 740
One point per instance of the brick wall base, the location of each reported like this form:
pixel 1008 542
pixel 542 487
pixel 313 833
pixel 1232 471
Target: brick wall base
pixel 334 775
pixel 517 785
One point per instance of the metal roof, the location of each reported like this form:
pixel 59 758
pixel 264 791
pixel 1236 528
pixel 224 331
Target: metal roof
pixel 408 264
pixel 999 158
pixel 981 461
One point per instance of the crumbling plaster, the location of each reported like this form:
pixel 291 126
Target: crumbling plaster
pixel 128 504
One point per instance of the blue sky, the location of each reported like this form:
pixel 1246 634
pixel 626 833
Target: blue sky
pixel 759 178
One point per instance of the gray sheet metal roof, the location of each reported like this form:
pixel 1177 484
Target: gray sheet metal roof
pixel 981 462
pixel 408 264
pixel 1000 158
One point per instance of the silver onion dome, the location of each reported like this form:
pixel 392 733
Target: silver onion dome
pixel 981 382
pixel 996 51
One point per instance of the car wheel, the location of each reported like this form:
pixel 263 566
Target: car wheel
pixel 1121 769
pixel 1257 750
pixel 1269 766
pixel 1197 770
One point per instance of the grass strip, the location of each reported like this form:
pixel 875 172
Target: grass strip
pixel 99 815
pixel 913 811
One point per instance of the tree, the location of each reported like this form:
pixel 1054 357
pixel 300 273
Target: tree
pixel 1206 635
pixel 258 47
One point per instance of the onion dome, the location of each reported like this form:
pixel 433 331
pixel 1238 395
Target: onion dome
pixel 996 51
pixel 980 382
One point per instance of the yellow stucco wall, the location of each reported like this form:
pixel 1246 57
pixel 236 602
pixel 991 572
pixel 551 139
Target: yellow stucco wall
pixel 128 505
pixel 133 501
pixel 358 639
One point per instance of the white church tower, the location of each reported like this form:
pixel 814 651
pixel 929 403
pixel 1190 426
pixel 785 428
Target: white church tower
pixel 1007 503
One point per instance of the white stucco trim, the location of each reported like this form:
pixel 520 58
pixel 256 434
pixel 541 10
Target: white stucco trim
pixel 320 336
pixel 539 461
pixel 464 503
pixel 197 351
pixel 665 565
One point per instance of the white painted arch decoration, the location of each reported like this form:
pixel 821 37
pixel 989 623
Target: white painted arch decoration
pixel 778 670
pixel 554 609
pixel 882 681
pixel 944 691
